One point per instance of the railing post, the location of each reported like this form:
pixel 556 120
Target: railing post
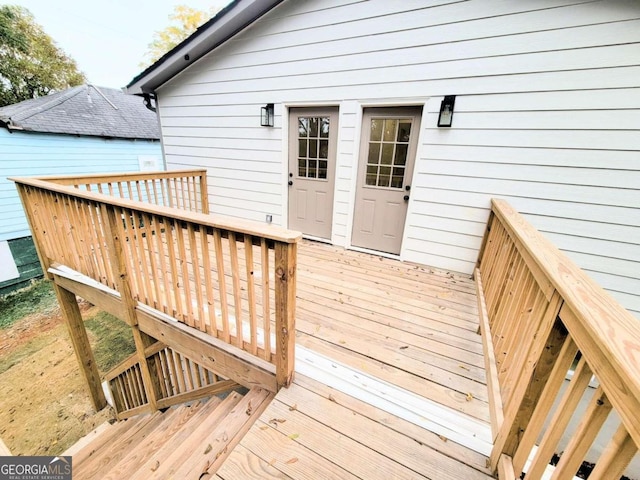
pixel 81 346
pixel 285 290
pixel 119 267
pixel 204 192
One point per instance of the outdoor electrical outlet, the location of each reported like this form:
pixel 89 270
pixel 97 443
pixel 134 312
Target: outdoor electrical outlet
pixel 269 218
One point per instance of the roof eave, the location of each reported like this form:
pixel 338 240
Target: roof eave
pixel 237 16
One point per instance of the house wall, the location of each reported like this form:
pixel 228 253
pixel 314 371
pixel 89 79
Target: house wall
pixel 30 154
pixel 547 116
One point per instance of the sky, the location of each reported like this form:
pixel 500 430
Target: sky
pixel 107 38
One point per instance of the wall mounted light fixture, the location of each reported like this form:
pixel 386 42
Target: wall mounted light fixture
pixel 266 115
pixel 446 111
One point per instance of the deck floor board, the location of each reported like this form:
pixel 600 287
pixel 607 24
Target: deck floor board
pixel 411 326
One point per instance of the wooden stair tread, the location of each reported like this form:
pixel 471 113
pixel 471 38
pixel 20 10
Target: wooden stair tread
pixel 221 439
pixel 102 429
pixel 99 463
pixel 155 441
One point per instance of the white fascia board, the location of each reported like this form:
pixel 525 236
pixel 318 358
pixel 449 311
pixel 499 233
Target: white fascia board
pixel 236 19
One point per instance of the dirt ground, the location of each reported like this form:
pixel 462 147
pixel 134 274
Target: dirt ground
pixel 44 407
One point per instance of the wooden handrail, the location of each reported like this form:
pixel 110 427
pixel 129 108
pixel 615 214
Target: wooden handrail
pixel 270 232
pixel 130 176
pixel 542 309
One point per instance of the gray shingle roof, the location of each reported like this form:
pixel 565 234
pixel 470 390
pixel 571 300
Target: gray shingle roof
pixel 84 110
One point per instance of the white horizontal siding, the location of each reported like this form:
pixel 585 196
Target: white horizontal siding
pixel 547 116
pixel 32 154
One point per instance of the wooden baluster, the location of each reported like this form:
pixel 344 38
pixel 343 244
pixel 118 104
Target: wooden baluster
pixel 174 371
pixel 222 284
pixel 190 195
pixel 84 237
pixel 167 305
pixel 148 197
pixel 616 456
pixel 266 298
pixel 150 257
pixel 285 290
pixel 237 299
pixel 188 314
pixel 560 419
pixel 139 191
pixel 173 271
pixel 188 374
pixel 129 190
pixel 251 294
pixel 156 360
pixel 197 278
pixel 212 326
pixel 596 414
pixel 554 383
pixel 177 362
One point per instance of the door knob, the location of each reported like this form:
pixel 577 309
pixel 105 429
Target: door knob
pixel 290 182
pixel 406 198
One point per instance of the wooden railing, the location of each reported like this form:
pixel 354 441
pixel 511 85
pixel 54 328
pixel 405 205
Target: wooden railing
pixel 233 280
pixel 178 380
pixel 183 189
pixel 541 318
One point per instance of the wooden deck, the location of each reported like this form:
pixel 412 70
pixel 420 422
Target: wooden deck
pixel 412 328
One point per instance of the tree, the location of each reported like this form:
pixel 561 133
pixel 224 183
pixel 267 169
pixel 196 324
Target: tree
pixel 31 64
pixel 183 22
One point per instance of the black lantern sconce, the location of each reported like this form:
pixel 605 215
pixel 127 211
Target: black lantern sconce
pixel 266 115
pixel 446 111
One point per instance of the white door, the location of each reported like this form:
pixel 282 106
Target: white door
pixel 388 151
pixel 312 166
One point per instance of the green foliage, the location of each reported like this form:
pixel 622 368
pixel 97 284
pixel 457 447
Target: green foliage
pixel 114 340
pixel 31 64
pixel 183 22
pixel 39 297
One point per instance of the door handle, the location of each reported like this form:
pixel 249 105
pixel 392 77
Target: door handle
pixel 406 198
pixel 290 182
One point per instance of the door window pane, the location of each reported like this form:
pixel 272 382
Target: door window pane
pixel 387 154
pixel 313 143
pixel 324 127
pixel 313 127
pixel 390 130
pixel 388 150
pixel 374 153
pixel 313 148
pixel 404 131
pixel 322 169
pixel 324 149
pixel 376 129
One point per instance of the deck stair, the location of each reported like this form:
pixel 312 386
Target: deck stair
pixel 183 442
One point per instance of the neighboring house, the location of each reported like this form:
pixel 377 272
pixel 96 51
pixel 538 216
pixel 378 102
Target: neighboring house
pixel 546 115
pixel 83 129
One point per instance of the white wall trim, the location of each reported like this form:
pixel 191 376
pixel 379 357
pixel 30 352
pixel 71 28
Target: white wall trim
pixel 414 176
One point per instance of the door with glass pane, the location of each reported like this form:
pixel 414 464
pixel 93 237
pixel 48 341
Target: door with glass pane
pixel 312 164
pixel 387 155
